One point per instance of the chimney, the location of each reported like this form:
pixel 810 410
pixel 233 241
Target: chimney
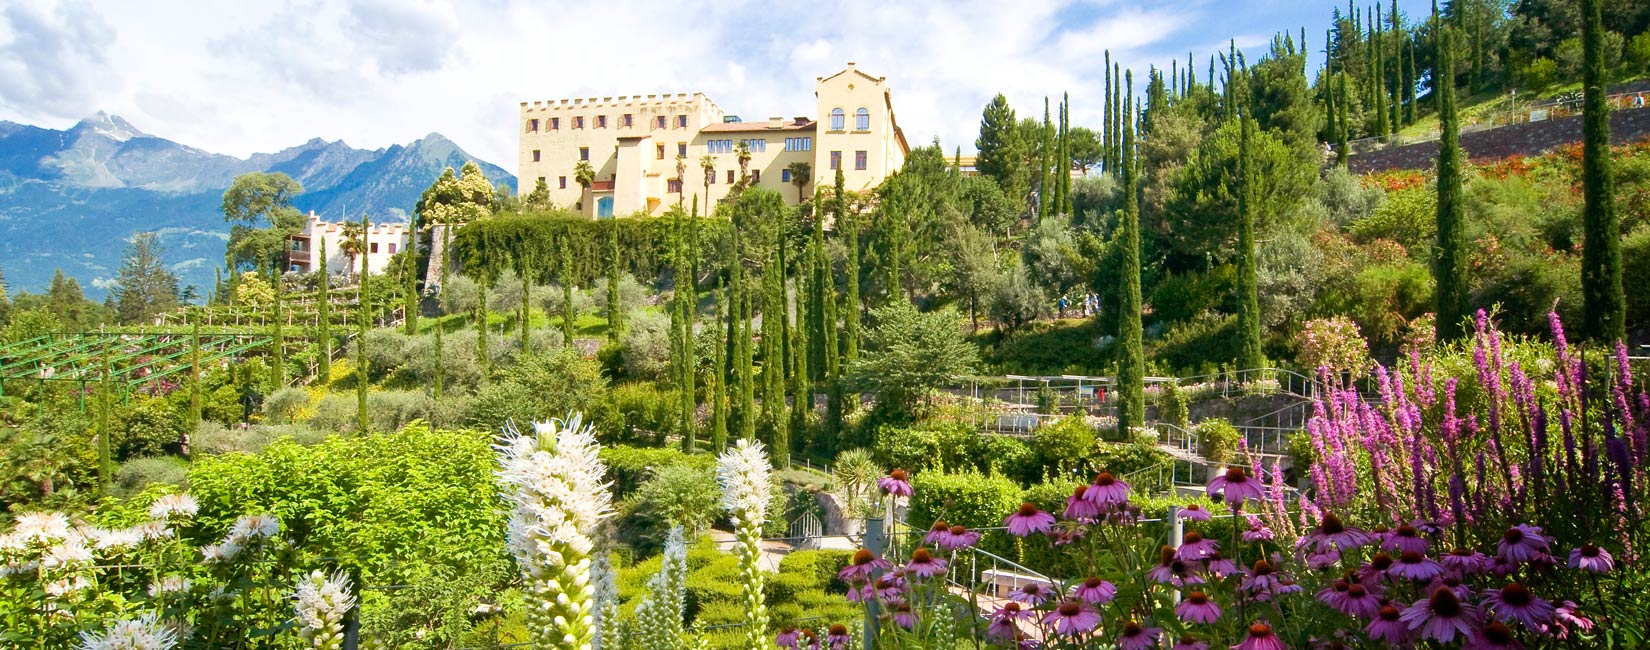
pixel 801 120
pixel 776 121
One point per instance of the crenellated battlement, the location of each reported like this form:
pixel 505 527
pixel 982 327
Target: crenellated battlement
pixel 654 100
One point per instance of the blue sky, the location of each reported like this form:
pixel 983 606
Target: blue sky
pixel 240 78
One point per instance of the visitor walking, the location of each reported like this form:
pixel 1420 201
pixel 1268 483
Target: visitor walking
pixel 1062 304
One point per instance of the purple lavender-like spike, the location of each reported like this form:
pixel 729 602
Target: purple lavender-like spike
pixel 1478 498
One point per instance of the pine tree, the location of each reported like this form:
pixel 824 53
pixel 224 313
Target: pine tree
pixel 412 305
pixel 1603 302
pixel 615 310
pixel 145 287
pixel 323 321
pixel 1450 268
pixel 1001 153
pixel 1131 362
pixel 363 315
pixel 849 228
pixel 1248 317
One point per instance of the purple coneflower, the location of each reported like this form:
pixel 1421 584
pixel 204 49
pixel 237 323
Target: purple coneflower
pixel 1406 539
pixel 1073 617
pixel 1379 563
pixel 1412 565
pixel 1194 547
pixel 787 637
pixel 1360 602
pixel 1565 619
pixel 1466 561
pixel 837 637
pixel 1220 566
pixel 1198 608
pixel 1194 512
pixel 1451 583
pixel 1237 487
pixel 1258 532
pixel 890 588
pixel 1515 602
pixel 924 565
pixel 903 616
pixel 1189 643
pixel 958 537
pixel 1332 533
pixel 1260 638
pixel 1522 543
pixel 1494 636
pixel 1171 570
pixel 1441 617
pixel 1094 591
pixel 1032 593
pixel 896 483
pixel 1002 630
pixel 809 640
pixel 1335 594
pixel 940 531
pixel 1262 580
pixel 861 592
pixel 1389 627
pixel 863 566
pixel 1592 558
pixel 1137 637
pixel 1107 491
pixel 1323 559
pixel 1078 507
pixel 1027 520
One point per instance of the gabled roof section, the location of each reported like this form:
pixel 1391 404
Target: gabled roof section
pixel 854 70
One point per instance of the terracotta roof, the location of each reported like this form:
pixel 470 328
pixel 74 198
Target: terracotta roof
pixel 752 127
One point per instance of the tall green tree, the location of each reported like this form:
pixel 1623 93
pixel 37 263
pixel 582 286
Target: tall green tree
pixel 67 302
pixel 565 269
pixel 719 378
pixel 1450 265
pixel 1002 152
pixel 259 207
pixel 1604 312
pixel 848 226
pixel 1248 317
pixel 615 310
pixel 687 296
pixel 1131 359
pixel 363 322
pixel 323 319
pixel 413 297
pixel 144 288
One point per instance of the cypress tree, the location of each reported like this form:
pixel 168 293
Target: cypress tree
pixel 194 368
pixel 364 312
pixel 277 345
pixel 1409 80
pixel 410 308
pixel 819 288
pixel 1248 318
pixel 526 307
pixel 1062 170
pixel 801 388
pixel 686 296
pixel 323 322
pixel 440 369
pixel 1343 124
pixel 1397 69
pixel 718 380
pixel 566 251
pixel 1107 142
pixel 1117 115
pixel 615 315
pixel 849 228
pixel 1131 362
pixel 1045 182
pixel 481 330
pixel 747 374
pixel 1449 269
pixel 773 341
pixel 1604 304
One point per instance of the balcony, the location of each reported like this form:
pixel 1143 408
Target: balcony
pixel 601 186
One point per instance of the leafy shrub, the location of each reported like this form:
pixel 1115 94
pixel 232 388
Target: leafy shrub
pixel 680 494
pixel 549 385
pixel 1335 344
pixel 335 412
pixel 1199 344
pixel 391 410
pixel 283 405
pixel 1539 74
pixel 1529 286
pixel 1173 408
pixel 1346 197
pixel 646 344
pixel 1408 217
pixel 1065 442
pixel 1217 439
pixel 1635 263
pixel 211 438
pixel 629 466
pixel 151 428
pixel 1127 457
pixel 970 499
pixel 1178 298
pixel 459 294
pixel 643 411
pixel 134 475
pixel 1008 456
pixel 386 350
pixel 930 446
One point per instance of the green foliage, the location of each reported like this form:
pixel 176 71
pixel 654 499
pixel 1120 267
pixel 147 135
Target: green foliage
pixel 1181 297
pixel 541 386
pixel 135 475
pixel 145 288
pixel 490 246
pixel 1016 301
pixel 643 412
pixel 629 466
pixel 646 346
pixel 910 355
pixel 1217 439
pixel 1408 217
pixel 680 494
pixel 284 405
pixel 150 428
pixel 1007 456
pixel 1207 340
pixel 1635 256
pixel 929 446
pixel 1173 408
pixel 969 499
pixel 1065 442
pixel 30 323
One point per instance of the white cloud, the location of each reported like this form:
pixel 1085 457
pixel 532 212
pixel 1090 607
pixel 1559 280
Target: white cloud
pixel 240 78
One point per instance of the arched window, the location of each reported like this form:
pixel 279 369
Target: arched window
pixel 862 119
pixel 838 119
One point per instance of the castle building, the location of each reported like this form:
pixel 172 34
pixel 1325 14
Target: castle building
pixel 384 240
pixel 635 144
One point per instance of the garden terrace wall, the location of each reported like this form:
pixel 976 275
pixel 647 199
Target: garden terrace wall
pixel 1527 139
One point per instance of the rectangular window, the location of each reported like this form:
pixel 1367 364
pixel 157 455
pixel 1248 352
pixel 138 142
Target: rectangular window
pixel 836 160
pixel 578 121
pixel 392 248
pixel 584 153
pixel 730 177
pixel 555 124
pixel 373 248
pixel 785 175
pixel 535 155
pixel 564 182
pixel 756 176
pixel 533 125
pixel 681 149
pixel 674 186
pixel 601 121
pixel 659 122
pixel 859 160
pixel 659 151
pixel 757 145
pixel 628 121
pixel 681 121
pixel 719 146
pixel 799 144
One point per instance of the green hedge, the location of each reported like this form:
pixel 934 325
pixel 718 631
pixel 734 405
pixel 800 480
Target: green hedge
pixel 488 247
pixel 628 466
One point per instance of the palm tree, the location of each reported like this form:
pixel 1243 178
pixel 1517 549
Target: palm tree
pixel 801 173
pixel 708 164
pixel 585 176
pixel 354 242
pixel 681 179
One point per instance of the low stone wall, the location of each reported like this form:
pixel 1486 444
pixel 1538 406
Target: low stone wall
pixel 1494 144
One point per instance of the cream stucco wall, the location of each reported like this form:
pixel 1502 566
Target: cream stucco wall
pixel 384 241
pixel 884 146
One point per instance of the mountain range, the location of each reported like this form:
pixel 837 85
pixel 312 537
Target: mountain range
pixel 70 199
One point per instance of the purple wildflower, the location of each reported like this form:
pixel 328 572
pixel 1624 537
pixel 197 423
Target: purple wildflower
pixel 924 565
pixel 1406 539
pixel 1359 602
pixel 896 483
pixel 1107 491
pixel 1194 512
pixel 1389 627
pixel 940 531
pixel 1032 593
pixel 1219 565
pixel 1522 543
pixel 1189 643
pixel 1078 506
pixel 1565 620
pixel 1592 558
pixel 1331 533
pixel 904 617
pixel 1094 591
pixel 1236 486
pixel 787 637
pixel 1260 638
pixel 1465 561
pixel 1258 532
pixel 1137 637
pixel 837 637
pixel 1198 608
pixel 1194 547
pixel 1441 617
pixel 1073 617
pixel 1494 636
pixel 958 537
pixel 1415 566
pixel 1515 602
pixel 1027 520
pixel 861 568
